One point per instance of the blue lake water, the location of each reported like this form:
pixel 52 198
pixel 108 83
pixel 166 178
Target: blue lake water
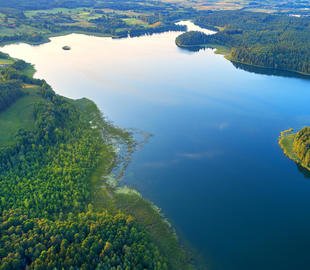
pixel 213 164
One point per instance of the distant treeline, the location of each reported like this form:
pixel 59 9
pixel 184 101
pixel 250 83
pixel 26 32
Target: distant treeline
pixel 45 4
pixel 112 4
pixel 160 29
pixel 260 39
pixel 36 38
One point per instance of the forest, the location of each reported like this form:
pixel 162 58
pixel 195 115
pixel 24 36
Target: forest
pixel 192 39
pixel 88 240
pixel 301 146
pixel 259 39
pixel 10 91
pixel 47 215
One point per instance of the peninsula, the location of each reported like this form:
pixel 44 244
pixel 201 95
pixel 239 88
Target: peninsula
pixel 255 39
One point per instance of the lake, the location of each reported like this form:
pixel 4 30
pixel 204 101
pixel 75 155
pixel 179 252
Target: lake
pixel 213 164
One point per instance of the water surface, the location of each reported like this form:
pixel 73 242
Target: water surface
pixel 213 164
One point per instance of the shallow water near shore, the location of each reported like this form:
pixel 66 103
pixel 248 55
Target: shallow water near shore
pixel 213 165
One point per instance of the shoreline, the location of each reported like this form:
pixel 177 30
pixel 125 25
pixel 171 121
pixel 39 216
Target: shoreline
pixel 292 72
pixel 225 52
pixel 48 36
pixel 108 194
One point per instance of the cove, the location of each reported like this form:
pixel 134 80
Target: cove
pixel 213 163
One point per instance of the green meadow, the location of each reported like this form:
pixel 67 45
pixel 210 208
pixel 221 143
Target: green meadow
pixel 18 116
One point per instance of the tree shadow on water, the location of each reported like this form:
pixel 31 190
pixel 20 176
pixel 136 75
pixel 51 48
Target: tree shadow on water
pixel 304 171
pixel 269 71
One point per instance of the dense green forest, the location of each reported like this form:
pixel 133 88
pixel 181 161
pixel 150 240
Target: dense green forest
pixel 50 216
pixel 10 91
pixel 301 146
pixel 87 240
pixel 192 39
pixel 271 41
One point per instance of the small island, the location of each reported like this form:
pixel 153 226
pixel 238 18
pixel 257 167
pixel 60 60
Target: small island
pixel 296 146
pixel 66 48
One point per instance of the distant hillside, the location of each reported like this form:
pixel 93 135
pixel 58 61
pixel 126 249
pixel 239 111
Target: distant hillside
pixel 45 4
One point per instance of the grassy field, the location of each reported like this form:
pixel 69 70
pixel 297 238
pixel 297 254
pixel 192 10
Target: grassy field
pixel 82 16
pixel 18 116
pixel 76 13
pixel 134 21
pixel 4 61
